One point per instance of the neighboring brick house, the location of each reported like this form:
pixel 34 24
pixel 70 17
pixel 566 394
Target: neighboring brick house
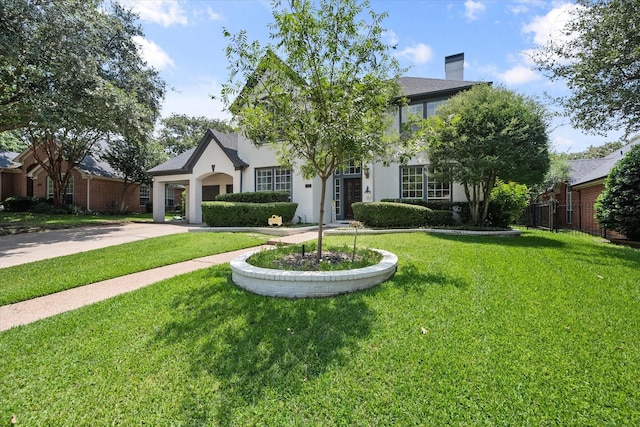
pixel 231 163
pixel 575 199
pixel 94 185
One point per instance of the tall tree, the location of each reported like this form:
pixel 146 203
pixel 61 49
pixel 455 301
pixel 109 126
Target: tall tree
pixel 324 99
pixel 71 73
pixel 180 132
pixel 599 60
pixel 484 134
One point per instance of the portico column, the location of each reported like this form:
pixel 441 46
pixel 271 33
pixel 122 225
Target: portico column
pixel 195 201
pixel 158 200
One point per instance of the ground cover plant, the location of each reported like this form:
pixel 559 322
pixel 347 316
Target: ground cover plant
pixel 537 330
pixel 26 281
pixel 304 258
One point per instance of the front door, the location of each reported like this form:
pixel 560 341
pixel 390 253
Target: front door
pixel 352 194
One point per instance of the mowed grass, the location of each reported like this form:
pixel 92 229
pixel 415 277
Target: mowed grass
pixel 538 330
pixel 27 281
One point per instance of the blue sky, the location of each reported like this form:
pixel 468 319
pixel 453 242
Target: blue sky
pixel 183 39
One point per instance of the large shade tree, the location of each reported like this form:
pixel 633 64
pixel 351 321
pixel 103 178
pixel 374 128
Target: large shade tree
pixel 71 73
pixel 484 134
pixel 598 58
pixel 180 132
pixel 321 92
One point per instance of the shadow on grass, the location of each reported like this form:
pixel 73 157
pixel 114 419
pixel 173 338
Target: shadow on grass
pixel 255 348
pixel 410 277
pixel 526 240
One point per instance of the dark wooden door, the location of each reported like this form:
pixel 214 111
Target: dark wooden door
pixel 352 194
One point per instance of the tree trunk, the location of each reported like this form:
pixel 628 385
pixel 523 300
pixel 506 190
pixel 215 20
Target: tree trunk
pixel 323 191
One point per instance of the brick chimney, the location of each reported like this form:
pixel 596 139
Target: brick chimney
pixel 454 67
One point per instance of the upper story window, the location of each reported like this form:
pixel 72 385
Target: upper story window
pixel 352 168
pixel 420 110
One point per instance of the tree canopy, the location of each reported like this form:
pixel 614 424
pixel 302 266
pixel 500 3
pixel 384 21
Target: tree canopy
pixel 180 132
pixel 70 74
pixel 484 134
pixel 321 92
pixel 599 59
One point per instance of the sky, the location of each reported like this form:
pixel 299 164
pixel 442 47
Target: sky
pixel 183 39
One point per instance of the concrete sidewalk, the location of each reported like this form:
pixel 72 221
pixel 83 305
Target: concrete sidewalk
pixel 26 312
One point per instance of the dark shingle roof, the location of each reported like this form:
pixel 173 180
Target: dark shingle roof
pixel 6 158
pixel 184 163
pixel 587 170
pixel 415 87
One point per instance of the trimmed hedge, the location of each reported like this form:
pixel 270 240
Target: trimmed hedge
pixel 439 205
pixel 236 214
pixel 25 204
pixel 390 215
pixel 255 197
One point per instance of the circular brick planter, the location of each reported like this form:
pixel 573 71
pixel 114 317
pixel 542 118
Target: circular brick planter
pixel 305 284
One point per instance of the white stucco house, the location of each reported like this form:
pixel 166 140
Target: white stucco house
pixel 224 163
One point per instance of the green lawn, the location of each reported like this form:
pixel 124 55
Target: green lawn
pixel 12 222
pixel 538 330
pixel 26 281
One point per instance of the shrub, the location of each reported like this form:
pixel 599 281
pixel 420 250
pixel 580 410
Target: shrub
pixel 618 207
pixel 19 204
pixel 255 197
pixel 438 205
pixel 508 201
pixel 390 215
pixel 440 218
pixel 236 214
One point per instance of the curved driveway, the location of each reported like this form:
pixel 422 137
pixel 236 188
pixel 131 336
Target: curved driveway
pixel 28 247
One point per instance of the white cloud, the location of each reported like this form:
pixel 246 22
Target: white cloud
pixel 519 75
pixel 153 54
pixel 472 9
pixel 550 26
pixel 195 100
pixel 391 37
pixel 417 54
pixel 213 16
pixel 163 12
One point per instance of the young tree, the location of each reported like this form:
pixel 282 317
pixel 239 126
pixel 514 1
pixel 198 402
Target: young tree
pixel 598 58
pixel 327 100
pixel 132 159
pixel 72 74
pixel 180 132
pixel 484 134
pixel 618 207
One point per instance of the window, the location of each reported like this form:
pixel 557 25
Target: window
pixel 416 110
pixel 569 206
pixel 433 106
pixel 273 179
pixel 229 188
pixel 68 199
pixel 337 194
pixel 145 195
pixel 436 189
pixel 413 182
pixel 168 196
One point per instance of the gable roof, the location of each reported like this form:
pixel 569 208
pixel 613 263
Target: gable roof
pixel 417 87
pixel 586 170
pixel 6 159
pixel 91 165
pixel 184 163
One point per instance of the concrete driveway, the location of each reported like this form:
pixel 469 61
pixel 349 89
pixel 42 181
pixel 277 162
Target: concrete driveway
pixel 28 247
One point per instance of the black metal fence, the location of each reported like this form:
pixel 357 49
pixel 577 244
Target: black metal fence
pixel 551 215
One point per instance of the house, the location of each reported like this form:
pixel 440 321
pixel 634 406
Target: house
pixel 94 184
pixel 575 198
pixel 224 163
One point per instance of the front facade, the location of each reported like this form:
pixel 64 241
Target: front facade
pixel 93 186
pixel 223 163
